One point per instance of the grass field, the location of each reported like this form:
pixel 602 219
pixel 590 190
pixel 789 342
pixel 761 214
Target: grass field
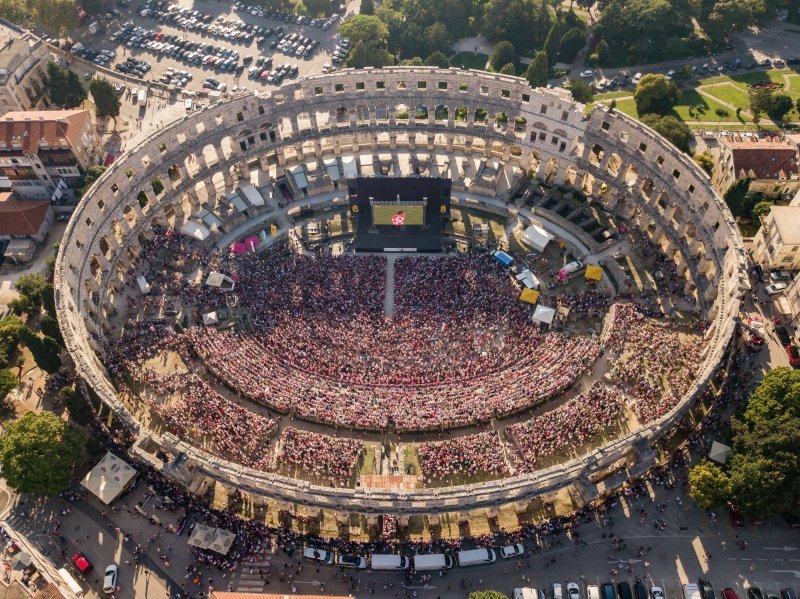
pixel 470 60
pixel 690 99
pixel 609 95
pixel 727 92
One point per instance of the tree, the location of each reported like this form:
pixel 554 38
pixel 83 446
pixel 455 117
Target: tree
pixel 91 175
pixel 708 485
pixel 79 409
pixel 38 453
pixel 508 69
pixel 58 15
pixel 437 59
pixel 797 106
pixel 9 338
pixel 365 28
pixel 524 23
pixel 761 209
pixel 581 91
pixel 8 382
pixel 735 196
pixel 552 44
pixel 438 38
pixel 358 57
pixel 781 104
pixel 49 327
pixel 45 350
pixel 537 71
pixel 66 89
pixel 367 7
pixel 728 16
pixel 30 288
pixel 655 94
pixel 490 594
pixel 671 128
pixel 106 100
pixel 571 43
pixel 706 161
pixel 502 54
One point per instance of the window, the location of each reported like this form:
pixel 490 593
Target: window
pixel 443 85
pixel 563 146
pixel 338 88
pixel 605 126
pixel 526 98
pixel 642 147
pixel 101 204
pixel 359 85
pixel 716 226
pixel 505 93
pixel 788 259
pixel 676 174
pixel 542 136
pixel 554 140
pixel 660 160
pixel 401 85
pixel 263 136
pixel 564 115
pixel 462 87
pixel 380 85
pixel 422 84
pixel 795 248
pixel 261 110
pixel 318 91
pixel 239 117
pixel 691 189
pixel 543 109
pixel 484 90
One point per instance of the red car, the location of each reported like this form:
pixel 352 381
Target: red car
pixel 794 354
pixel 80 562
pixel 737 520
pixel 729 594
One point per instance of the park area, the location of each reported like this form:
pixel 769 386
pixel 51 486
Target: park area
pixel 713 102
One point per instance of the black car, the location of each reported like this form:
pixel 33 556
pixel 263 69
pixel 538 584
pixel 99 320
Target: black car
pixel 783 335
pixel 706 590
pixel 788 593
pixel 624 590
pixel 640 591
pixel 755 593
pixel 607 591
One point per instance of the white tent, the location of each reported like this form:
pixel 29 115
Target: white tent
pixel 537 238
pixel 210 318
pixel 144 286
pixel 109 478
pixel 196 230
pixel 215 539
pixel 527 278
pixel 719 452
pixel 332 167
pixel 299 175
pixel 252 195
pixel 349 167
pixel 217 279
pixel 544 314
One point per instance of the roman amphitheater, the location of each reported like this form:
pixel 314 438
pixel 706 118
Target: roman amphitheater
pixel 237 405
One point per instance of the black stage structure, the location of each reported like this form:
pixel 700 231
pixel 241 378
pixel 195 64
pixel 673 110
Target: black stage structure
pixel 379 201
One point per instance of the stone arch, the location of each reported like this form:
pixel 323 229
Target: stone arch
pixel 362 114
pixel 560 132
pixel 461 114
pixel 677 215
pixel 210 154
pixel 105 247
pixel 596 155
pixel 614 164
pixel 481 116
pixel 571 176
pixel 631 175
pixel 550 171
pixel 647 187
pixel 226 146
pixel 663 201
pixel 520 125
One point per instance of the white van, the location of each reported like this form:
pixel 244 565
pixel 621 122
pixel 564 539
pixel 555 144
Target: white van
pixel 473 557
pixel 593 591
pixel 557 591
pixel 636 78
pixel 528 593
pixel 433 561
pixel 390 561
pixel 318 555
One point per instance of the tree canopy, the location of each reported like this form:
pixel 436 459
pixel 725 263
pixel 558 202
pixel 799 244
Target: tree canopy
pixel 524 23
pixel 38 453
pixel 30 288
pixel 774 104
pixel 372 34
pixel 8 382
pixel 66 89
pixel 581 91
pixel 571 43
pixel 490 594
pixel 537 71
pixel 437 59
pixel 45 350
pixel 106 100
pixel 655 94
pixel 502 54
pixel 735 196
pixel 708 485
pixel 671 128
pixel 89 177
pixel 552 44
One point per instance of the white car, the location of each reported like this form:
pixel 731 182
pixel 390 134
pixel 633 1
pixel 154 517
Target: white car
pixel 318 555
pixel 353 561
pixel 573 591
pixel 510 551
pixel 775 288
pixel 587 74
pixel 110 579
pixel 780 275
pixel 636 78
pixel 573 267
pixel 657 593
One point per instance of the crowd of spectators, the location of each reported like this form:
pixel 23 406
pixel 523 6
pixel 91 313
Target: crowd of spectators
pixel 655 360
pixel 578 421
pixel 467 456
pixel 323 456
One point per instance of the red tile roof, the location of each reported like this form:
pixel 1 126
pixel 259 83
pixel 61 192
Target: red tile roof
pixel 221 595
pixel 49 592
pixel 763 158
pixel 21 217
pixel 24 131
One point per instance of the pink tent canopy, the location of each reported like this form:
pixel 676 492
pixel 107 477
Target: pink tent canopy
pixel 562 274
pixel 252 242
pixel 238 248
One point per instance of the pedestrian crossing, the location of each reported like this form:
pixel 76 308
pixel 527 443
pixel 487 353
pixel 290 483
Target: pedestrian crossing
pixel 247 582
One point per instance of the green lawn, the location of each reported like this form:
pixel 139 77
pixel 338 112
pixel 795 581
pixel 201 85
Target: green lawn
pixel 730 93
pixel 609 95
pixel 470 60
pixel 794 85
pixel 690 98
pixel 773 75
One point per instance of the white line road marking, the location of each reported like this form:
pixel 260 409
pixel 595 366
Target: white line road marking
pixel 784 548
pixel 795 572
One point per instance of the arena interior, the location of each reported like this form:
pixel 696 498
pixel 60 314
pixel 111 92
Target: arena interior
pixel 225 294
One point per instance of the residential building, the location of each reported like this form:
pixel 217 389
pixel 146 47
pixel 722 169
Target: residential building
pixel 770 162
pixel 23 64
pixel 777 242
pixel 43 153
pixel 24 224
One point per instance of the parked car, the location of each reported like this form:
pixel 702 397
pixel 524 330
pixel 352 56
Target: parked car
pixel 574 591
pixel 511 551
pixel 755 593
pixel 639 590
pixel 83 565
pixel 353 561
pixel 320 556
pixel 657 593
pixel 794 354
pixel 775 288
pixel 783 335
pixel 780 275
pixel 706 590
pixel 110 579
pixel 729 594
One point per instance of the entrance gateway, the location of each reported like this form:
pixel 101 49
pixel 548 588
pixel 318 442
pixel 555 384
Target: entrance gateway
pixel 399 214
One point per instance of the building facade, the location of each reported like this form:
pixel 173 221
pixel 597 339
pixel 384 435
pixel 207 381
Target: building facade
pixel 43 153
pixel 777 242
pixel 23 64
pixel 770 162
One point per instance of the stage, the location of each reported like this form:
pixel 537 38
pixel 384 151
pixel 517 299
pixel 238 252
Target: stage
pixel 382 238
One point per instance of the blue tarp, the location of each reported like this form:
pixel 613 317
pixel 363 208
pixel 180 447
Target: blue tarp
pixel 503 258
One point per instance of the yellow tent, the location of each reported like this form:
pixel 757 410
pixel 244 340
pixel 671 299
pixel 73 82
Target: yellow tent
pixel 593 273
pixel 530 296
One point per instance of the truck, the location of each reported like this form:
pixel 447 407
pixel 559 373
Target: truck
pixel 141 100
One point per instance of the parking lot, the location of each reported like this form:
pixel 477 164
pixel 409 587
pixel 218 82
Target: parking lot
pixel 184 44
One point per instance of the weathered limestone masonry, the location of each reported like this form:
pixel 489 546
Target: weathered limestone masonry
pixel 655 186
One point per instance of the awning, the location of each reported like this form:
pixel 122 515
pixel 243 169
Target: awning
pixel 238 248
pixel 593 273
pixel 783 306
pixel 536 237
pixel 529 295
pixel 20 250
pixel 333 168
pixel 544 314
pixel 109 478
pixel 210 318
pixel 299 175
pixel 719 452
pixel 196 230
pixel 215 539
pixel 217 279
pixel 252 195
pixel 349 167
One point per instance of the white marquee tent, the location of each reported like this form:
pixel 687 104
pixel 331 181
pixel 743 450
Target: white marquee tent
pixel 544 314
pixel 537 238
pixel 196 230
pixel 210 318
pixel 215 539
pixel 109 478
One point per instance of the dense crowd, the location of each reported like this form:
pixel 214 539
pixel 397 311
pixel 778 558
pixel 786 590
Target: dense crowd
pixel 196 412
pixel 323 456
pixel 655 359
pixel 470 455
pixel 578 421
